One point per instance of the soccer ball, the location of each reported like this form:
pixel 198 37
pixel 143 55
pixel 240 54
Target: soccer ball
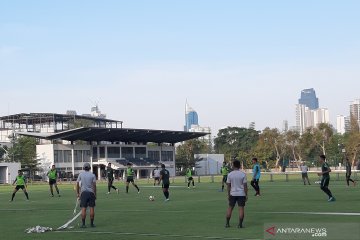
pixel 151 198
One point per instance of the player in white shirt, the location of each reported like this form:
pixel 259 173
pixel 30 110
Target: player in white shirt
pixel 237 192
pixel 304 175
pixel 157 175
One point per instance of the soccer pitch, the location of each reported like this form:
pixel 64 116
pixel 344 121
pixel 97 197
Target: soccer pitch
pixel 190 214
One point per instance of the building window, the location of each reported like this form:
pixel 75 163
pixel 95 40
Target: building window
pixel 67 156
pixel 154 155
pixel 58 156
pixel 102 152
pixel 140 152
pixel 94 151
pixel 113 152
pixel 78 155
pixel 86 156
pixel 127 152
pixel 167 156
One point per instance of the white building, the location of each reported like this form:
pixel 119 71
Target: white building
pixel 199 129
pixel 340 124
pixel 70 158
pixel 8 172
pixel 306 117
pixel 355 110
pixel 68 146
pixel 210 164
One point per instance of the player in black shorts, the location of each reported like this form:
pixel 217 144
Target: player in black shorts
pixel 20 184
pixel 130 178
pixel 165 178
pixel 325 179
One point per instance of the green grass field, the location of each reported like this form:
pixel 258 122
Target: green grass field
pixel 190 214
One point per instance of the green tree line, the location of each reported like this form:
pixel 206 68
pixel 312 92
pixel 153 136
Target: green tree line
pixel 276 149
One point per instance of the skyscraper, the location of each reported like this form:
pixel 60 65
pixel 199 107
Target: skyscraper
pixel 355 111
pixel 191 117
pixel 306 117
pixel 309 99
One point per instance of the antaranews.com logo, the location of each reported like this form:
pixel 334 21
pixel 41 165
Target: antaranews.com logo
pixel 287 232
pixel 316 231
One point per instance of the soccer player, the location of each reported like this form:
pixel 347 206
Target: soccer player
pixel 325 179
pixel 256 176
pixel 224 170
pixel 20 184
pixel 348 173
pixel 190 178
pixel 304 175
pixel 110 177
pixel 52 174
pixel 237 193
pixel 86 193
pixel 156 176
pixel 165 178
pixel 130 178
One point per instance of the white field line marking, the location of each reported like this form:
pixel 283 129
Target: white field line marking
pixel 159 186
pixel 318 213
pixel 159 235
pixel 67 210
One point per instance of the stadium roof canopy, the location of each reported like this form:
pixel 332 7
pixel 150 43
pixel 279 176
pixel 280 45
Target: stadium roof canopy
pixel 29 120
pixel 96 134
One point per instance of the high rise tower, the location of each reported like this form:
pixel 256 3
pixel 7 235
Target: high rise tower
pixel 191 117
pixel 355 111
pixel 309 99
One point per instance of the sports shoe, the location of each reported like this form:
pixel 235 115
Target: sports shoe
pixel 83 226
pixel 227 225
pixel 240 226
pixel 10 200
pixel 52 195
pixel 188 187
pixel 139 192
pixel 117 191
pixel 108 193
pixel 193 186
pixel 59 195
pixel 332 199
pixel 92 225
pixel 166 200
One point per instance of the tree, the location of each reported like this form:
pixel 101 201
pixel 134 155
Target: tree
pixel 23 151
pixel 3 152
pixel 276 141
pixel 322 135
pixel 264 152
pixel 235 142
pixel 185 153
pixel 292 139
pixel 352 140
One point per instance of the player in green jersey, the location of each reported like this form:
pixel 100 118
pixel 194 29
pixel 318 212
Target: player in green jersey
pixel 224 170
pixel 325 177
pixel 130 178
pixel 52 174
pixel 190 178
pixel 20 184
pixel 165 178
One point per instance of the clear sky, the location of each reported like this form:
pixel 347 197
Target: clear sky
pixel 234 61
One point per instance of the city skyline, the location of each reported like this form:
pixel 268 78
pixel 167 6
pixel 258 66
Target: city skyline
pixel 235 62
